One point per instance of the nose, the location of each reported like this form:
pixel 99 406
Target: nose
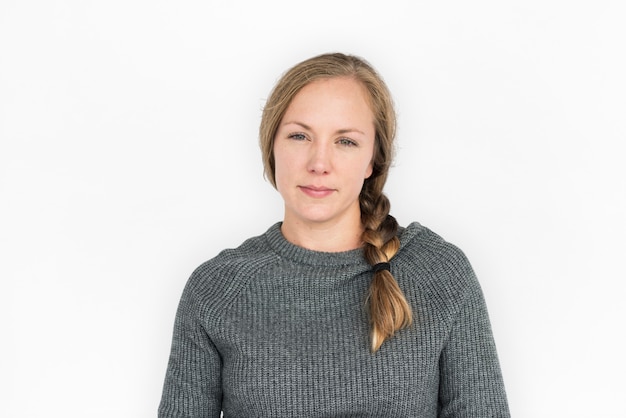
pixel 319 158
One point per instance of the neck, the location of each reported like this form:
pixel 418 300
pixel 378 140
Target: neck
pixel 324 237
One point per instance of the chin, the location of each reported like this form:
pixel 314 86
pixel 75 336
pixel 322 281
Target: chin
pixel 315 216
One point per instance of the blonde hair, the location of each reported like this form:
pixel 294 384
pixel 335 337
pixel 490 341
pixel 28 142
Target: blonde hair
pixel 388 308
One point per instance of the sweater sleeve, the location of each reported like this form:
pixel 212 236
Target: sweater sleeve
pixel 192 386
pixel 471 383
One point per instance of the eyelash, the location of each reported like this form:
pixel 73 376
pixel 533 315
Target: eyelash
pixel 342 141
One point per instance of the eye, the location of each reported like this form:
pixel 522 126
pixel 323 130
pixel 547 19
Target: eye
pixel 297 136
pixel 347 142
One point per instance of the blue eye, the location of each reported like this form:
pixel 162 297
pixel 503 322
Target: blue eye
pixel 347 142
pixel 297 136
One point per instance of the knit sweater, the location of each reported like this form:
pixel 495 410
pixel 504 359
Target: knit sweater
pixel 271 329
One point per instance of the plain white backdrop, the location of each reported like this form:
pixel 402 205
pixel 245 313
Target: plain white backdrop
pixel 128 156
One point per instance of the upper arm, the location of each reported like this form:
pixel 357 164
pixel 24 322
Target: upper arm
pixel 192 386
pixel 471 382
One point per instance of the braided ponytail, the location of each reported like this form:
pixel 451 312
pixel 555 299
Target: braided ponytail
pixel 389 310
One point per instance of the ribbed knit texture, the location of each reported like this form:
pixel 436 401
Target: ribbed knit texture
pixel 271 329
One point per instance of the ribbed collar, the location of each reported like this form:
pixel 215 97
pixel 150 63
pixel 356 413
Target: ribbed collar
pixel 301 255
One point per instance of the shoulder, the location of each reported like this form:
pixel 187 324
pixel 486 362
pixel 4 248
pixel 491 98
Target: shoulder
pixel 231 262
pixel 418 244
pixel 217 282
pixel 437 268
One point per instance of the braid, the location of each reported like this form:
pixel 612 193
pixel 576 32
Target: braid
pixel 389 310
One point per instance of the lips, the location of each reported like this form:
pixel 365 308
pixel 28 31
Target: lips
pixel 316 191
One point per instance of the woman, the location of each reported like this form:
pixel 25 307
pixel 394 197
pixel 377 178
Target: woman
pixel 336 310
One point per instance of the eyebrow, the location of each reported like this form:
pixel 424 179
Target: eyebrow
pixel 339 131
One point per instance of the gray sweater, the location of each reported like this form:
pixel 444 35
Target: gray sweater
pixel 271 329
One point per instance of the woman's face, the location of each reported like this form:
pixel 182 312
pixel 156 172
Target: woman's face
pixel 323 152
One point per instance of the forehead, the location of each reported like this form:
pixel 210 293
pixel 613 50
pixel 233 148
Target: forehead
pixel 340 96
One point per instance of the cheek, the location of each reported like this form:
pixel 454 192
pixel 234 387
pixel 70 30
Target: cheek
pixel 281 167
pixel 358 174
pixel 369 170
pixel 368 164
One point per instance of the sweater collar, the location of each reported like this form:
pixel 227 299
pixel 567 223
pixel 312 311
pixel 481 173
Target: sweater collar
pixel 301 255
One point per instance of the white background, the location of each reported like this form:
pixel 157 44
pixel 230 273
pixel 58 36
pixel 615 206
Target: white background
pixel 128 155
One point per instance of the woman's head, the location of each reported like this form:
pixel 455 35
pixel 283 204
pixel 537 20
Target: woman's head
pixel 330 66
